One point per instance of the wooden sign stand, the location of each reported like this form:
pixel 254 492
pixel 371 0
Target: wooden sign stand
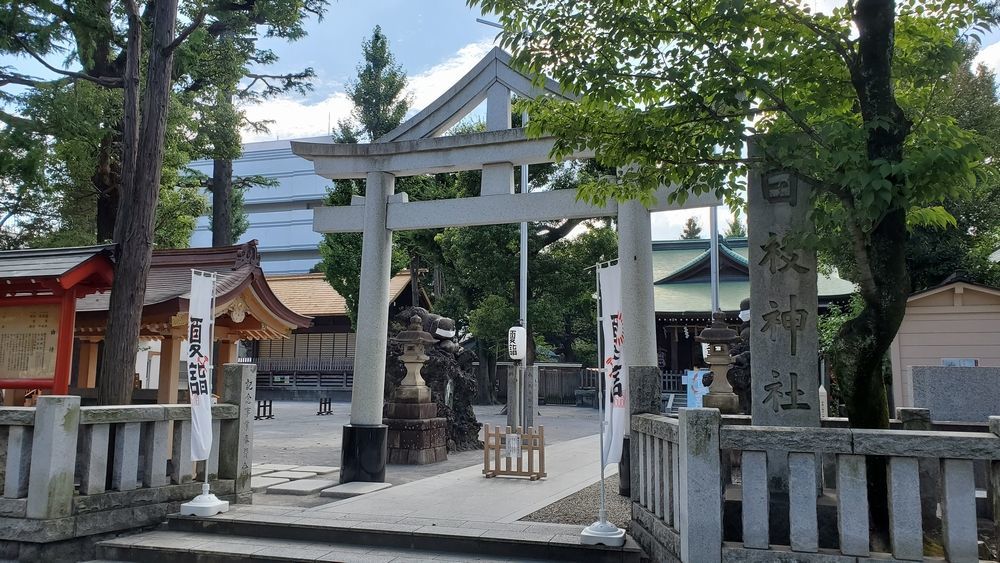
pixel 532 442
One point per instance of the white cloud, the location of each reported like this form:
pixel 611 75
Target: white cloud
pixel 431 83
pixel 989 56
pixel 296 118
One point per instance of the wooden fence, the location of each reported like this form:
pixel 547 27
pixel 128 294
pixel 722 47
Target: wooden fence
pixel 530 444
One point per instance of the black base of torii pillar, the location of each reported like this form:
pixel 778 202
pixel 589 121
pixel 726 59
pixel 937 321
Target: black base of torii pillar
pixel 363 453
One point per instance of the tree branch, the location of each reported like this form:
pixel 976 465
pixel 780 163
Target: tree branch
pixel 20 122
pixel 556 234
pixel 186 32
pixel 103 81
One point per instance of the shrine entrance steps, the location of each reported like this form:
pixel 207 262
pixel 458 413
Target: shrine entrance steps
pixel 210 540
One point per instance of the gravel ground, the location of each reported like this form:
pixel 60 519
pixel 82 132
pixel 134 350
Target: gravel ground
pixel 581 507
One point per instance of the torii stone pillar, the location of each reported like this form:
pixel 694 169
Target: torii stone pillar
pixel 364 448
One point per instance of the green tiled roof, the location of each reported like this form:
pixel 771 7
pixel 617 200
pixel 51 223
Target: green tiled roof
pixel 695 296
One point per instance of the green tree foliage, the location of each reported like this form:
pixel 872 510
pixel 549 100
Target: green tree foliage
pixel 74 113
pixel 843 99
pixel 736 228
pixel 935 253
pixel 379 106
pixel 692 230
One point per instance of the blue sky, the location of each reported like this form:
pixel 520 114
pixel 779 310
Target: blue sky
pixel 436 42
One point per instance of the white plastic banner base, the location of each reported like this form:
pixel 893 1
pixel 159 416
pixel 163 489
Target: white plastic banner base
pixel 603 533
pixel 205 504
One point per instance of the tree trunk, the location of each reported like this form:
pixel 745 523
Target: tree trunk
pixel 222 202
pixel 106 185
pixel 142 164
pixel 414 281
pixel 863 342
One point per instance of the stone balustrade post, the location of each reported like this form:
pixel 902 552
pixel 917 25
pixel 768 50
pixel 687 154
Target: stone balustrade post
pixel 644 398
pixel 930 470
pixel 700 485
pixel 53 457
pixel 994 485
pixel 239 387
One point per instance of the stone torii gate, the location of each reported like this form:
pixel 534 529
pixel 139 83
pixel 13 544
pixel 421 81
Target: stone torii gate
pixel 416 147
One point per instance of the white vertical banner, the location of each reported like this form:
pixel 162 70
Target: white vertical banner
pixel 616 404
pixel 201 321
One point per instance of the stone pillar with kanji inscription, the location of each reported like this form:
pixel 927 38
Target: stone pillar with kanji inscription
pixel 784 348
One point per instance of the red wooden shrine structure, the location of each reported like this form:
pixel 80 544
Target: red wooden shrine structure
pixel 33 279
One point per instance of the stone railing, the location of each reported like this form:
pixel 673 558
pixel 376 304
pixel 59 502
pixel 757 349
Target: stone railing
pixel 689 506
pixel 70 471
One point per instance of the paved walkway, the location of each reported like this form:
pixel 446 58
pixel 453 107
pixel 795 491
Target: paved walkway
pixel 465 495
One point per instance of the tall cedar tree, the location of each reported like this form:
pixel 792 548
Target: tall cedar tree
pixel 736 228
pixel 691 229
pixel 379 106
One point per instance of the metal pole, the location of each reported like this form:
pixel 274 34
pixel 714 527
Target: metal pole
pixel 523 417
pixel 714 251
pixel 602 515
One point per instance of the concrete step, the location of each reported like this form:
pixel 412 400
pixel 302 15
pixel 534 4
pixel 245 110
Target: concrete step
pixel 182 547
pixel 543 542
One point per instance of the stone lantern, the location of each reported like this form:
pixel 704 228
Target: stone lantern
pixel 414 340
pixel 416 434
pixel 719 337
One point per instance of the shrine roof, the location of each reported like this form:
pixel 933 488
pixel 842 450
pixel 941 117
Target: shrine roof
pixel 169 283
pixel 312 295
pixel 681 270
pixel 48 262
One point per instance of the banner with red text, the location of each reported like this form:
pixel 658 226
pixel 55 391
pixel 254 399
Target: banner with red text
pixel 199 361
pixel 616 407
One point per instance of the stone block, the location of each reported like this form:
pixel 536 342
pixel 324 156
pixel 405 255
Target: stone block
pixel 92 458
pixel 13 508
pixel 275 466
pixel 966 394
pixel 958 510
pixel 644 389
pixel 353 489
pixel 852 494
pixel 50 490
pixel 36 530
pixel 700 485
pixel 292 475
pixel 180 460
pixel 121 414
pixel 236 436
pixel 18 461
pixel 125 470
pixel 410 410
pixel 256 471
pixel 105 521
pixel 905 527
pixel 755 500
pixel 802 515
pixel 318 469
pixel 260 484
pixel 300 487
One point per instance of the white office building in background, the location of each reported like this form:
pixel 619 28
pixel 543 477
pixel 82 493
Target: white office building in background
pixel 280 217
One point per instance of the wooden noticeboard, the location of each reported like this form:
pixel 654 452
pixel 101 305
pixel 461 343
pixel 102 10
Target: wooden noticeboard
pixel 28 341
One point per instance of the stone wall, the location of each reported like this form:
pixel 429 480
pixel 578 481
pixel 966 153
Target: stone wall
pixel 72 474
pixel 960 394
pixel 687 507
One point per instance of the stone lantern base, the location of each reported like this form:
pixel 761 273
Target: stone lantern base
pixel 417 435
